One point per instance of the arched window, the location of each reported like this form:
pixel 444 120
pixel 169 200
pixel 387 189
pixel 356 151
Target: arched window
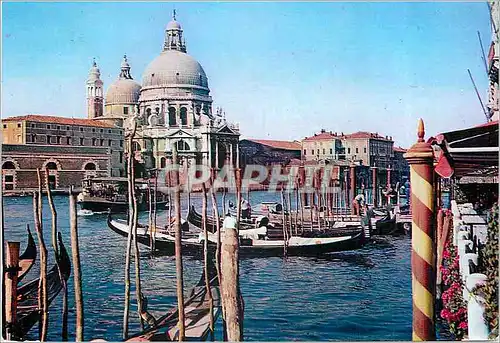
pixel 51 166
pixel 8 165
pixel 90 166
pixel 163 162
pixel 171 116
pixel 182 146
pixel 148 112
pixel 183 115
pixel 136 146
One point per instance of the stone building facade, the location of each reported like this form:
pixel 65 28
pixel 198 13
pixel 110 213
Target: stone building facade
pixel 323 146
pixel 70 148
pixel 173 106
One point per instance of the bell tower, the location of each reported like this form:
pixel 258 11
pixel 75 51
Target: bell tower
pixel 94 93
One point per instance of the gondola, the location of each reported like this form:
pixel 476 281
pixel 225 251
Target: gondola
pixel 275 227
pixel 297 246
pixel 195 219
pixel 28 312
pixel 197 314
pixel 27 259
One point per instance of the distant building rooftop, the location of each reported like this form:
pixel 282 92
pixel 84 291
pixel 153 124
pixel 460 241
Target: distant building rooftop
pixel 364 135
pixel 58 120
pixel 399 149
pixel 323 135
pixel 283 145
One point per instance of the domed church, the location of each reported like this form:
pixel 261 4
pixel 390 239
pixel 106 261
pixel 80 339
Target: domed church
pixel 174 107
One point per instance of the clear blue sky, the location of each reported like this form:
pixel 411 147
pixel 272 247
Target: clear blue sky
pixel 282 70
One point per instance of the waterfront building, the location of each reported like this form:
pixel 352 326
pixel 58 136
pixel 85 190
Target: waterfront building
pixel 173 105
pixel 400 167
pixel 70 148
pixel 323 146
pixel 269 152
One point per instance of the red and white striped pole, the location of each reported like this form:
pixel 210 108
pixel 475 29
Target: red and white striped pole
pixel 420 158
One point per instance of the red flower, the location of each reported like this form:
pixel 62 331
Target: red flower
pixel 445 314
pixel 462 325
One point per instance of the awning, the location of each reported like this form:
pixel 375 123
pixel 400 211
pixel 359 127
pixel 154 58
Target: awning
pixel 468 152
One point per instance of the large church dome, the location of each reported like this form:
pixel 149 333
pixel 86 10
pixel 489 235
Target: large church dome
pixel 174 67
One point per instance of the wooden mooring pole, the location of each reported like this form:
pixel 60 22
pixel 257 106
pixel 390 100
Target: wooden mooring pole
pixel 178 247
pixel 77 275
pixel 131 201
pixel 42 285
pixel 64 326
pixel 205 259
pixel 11 271
pixel 420 158
pixel 230 286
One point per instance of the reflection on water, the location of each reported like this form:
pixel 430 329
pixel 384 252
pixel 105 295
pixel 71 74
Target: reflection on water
pixel 354 295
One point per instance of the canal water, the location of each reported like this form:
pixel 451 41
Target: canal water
pixel 361 295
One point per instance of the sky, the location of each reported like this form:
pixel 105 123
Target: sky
pixel 281 70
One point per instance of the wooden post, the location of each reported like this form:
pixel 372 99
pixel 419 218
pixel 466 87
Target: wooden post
pixel 289 203
pixel 230 287
pixel 352 174
pixel 218 249
pixel 12 264
pixel 150 217
pixel 296 210
pixel 42 285
pixel 283 220
pixel 133 231
pixel 388 185
pixel 131 202
pixel 238 197
pixel 178 246
pixel 64 328
pixel 420 158
pixel 374 186
pixel 205 258
pixel 54 213
pixel 155 208
pixel 77 276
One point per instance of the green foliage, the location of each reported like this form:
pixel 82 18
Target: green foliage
pixel 490 268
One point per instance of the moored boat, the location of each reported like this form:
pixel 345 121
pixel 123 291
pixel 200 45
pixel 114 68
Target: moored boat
pixel 28 257
pixel 196 314
pixel 28 312
pixel 102 194
pixel 249 247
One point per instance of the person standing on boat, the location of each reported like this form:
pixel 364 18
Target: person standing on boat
pixel 358 203
pixel 245 209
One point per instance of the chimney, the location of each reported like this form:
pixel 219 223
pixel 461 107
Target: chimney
pixel 322 130
pixel 390 137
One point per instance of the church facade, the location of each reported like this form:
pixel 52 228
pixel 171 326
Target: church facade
pixel 173 105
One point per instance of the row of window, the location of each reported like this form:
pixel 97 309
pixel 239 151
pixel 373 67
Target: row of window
pixel 331 151
pixel 68 140
pixel 67 128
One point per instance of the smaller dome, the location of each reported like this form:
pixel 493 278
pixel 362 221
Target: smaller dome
pixel 123 91
pixel 174 25
pixel 94 73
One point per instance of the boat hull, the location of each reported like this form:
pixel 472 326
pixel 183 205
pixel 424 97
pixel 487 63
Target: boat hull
pixel 115 207
pixel 305 247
